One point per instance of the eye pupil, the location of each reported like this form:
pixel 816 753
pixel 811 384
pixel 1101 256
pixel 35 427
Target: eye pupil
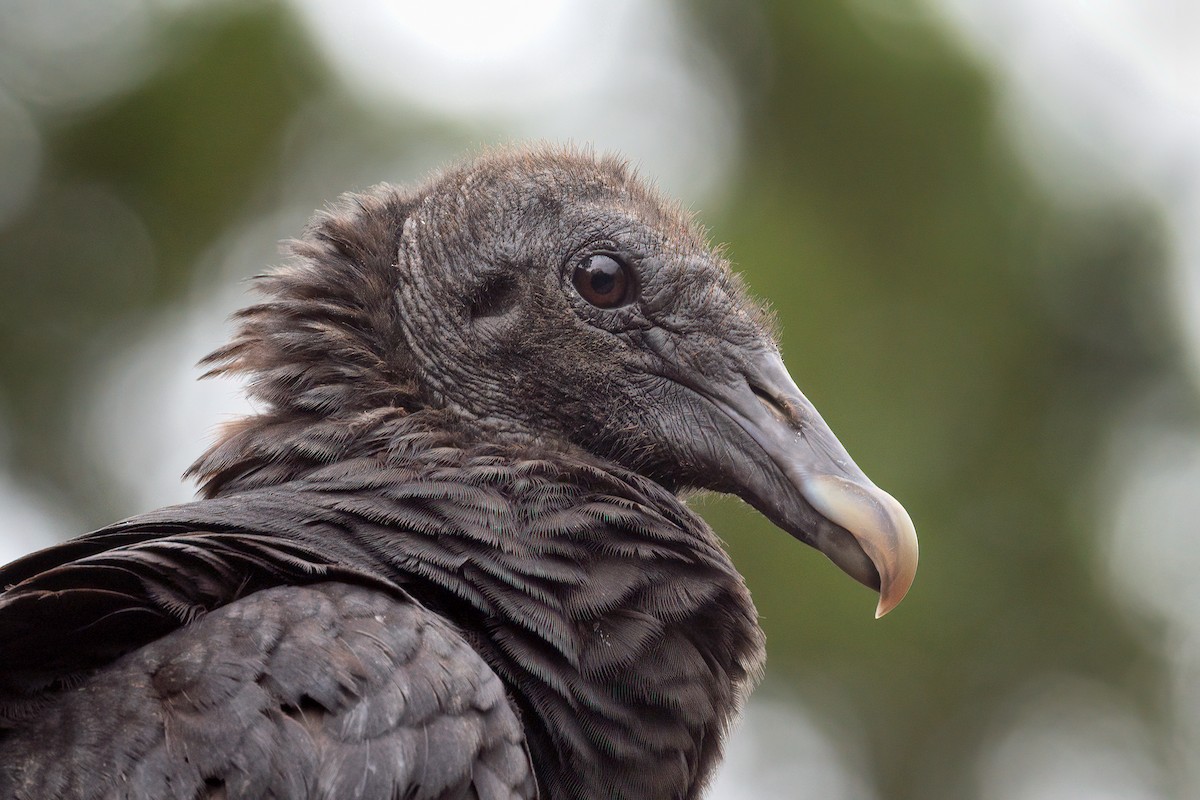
pixel 604 281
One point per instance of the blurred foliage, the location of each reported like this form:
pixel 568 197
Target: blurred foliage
pixel 970 342
pixel 186 151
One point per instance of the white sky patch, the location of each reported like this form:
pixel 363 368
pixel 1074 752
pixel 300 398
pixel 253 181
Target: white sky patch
pixel 149 416
pixel 28 521
pixel 620 74
pixel 1155 550
pixel 462 57
pixel 151 410
pixel 1066 738
pixel 71 54
pixel 1154 555
pixel 779 751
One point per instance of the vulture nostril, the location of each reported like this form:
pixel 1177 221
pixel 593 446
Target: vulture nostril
pixel 779 407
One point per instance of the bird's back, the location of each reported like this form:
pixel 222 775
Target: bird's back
pixel 328 690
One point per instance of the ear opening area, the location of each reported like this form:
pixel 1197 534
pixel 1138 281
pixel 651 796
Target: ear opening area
pixel 496 297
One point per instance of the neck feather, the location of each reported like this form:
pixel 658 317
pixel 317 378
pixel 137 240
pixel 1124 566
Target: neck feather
pixel 323 353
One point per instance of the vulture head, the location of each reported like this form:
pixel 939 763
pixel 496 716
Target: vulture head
pixel 551 298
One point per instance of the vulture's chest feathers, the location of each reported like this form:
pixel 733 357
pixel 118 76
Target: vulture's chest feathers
pixel 611 612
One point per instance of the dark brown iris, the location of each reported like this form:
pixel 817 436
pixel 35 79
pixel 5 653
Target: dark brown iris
pixel 604 281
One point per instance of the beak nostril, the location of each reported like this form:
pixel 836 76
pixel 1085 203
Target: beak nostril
pixel 778 406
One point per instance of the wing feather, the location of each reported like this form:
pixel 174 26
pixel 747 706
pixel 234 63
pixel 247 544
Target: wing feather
pixel 322 691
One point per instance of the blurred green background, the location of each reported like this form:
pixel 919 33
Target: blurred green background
pixel 972 219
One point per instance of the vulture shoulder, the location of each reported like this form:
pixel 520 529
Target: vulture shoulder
pixel 328 690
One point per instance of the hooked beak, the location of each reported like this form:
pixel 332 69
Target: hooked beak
pixel 817 493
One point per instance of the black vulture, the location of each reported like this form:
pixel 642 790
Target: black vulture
pixel 447 557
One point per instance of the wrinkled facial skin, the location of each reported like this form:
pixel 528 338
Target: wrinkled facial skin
pixel 684 384
pixel 522 350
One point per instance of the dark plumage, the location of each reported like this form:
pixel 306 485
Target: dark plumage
pixel 447 559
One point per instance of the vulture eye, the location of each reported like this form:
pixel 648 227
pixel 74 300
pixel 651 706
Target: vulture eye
pixel 604 281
